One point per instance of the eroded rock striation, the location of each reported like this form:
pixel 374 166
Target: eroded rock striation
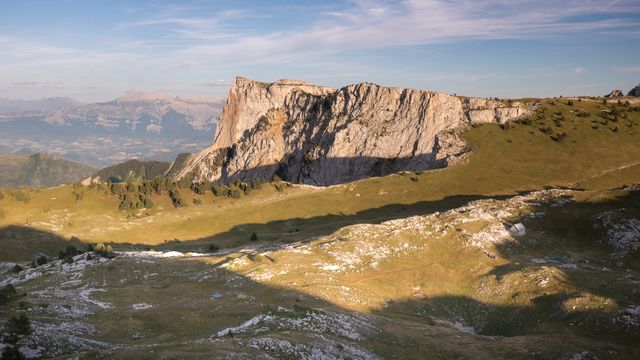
pixel 322 136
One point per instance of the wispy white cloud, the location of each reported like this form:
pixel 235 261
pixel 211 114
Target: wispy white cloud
pixel 627 69
pixel 215 83
pixel 163 39
pixel 375 24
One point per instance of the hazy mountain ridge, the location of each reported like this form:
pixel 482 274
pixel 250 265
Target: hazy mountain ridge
pixel 40 170
pixel 318 135
pixel 12 106
pixel 135 109
pixel 139 125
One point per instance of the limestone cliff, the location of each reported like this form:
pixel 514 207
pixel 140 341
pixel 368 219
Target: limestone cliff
pixel 318 135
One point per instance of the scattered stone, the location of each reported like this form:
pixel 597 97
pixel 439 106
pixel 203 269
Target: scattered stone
pixel 518 230
pixel 141 306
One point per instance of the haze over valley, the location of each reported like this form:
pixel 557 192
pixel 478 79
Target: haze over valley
pixel 139 125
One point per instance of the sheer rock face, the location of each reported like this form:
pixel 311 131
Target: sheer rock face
pixel 317 135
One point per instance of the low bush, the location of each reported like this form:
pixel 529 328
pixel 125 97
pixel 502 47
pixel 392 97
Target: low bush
pixel 558 136
pixel 7 293
pixel 176 199
pixel 12 353
pixel 69 252
pixel 17 327
pixel 41 260
pixel 21 196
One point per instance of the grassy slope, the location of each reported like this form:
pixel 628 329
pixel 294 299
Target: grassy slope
pixel 406 295
pixel 535 310
pixel 505 161
pixel 40 170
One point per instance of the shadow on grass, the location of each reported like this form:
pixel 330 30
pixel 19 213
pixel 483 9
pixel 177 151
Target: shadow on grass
pixel 552 326
pixel 25 243
pixel 300 229
pixel 547 328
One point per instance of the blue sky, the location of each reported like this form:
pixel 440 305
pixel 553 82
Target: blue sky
pixel 95 50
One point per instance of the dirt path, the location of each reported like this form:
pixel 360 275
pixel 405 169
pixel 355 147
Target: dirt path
pixel 605 172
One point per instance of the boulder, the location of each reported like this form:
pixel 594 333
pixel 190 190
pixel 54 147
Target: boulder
pixel 518 230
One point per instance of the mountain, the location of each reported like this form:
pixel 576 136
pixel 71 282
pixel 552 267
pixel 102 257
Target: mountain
pixel 322 136
pixel 10 106
pixel 527 249
pixel 635 91
pixel 140 125
pixel 144 113
pixel 147 169
pixel 40 170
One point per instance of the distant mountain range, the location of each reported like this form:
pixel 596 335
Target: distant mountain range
pixel 136 125
pixel 40 170
pixel 10 106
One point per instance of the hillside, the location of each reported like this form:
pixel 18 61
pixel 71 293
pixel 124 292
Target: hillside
pixel 399 265
pixel 321 136
pixel 40 170
pixel 592 156
pixel 119 172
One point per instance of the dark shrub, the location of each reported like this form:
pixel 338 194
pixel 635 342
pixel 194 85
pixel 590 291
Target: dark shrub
pixel 7 293
pixel 12 353
pixel 256 184
pixel 235 193
pixel 176 199
pixel 69 251
pixel 558 136
pixel 41 260
pixel 254 237
pixel 16 327
pixel 21 196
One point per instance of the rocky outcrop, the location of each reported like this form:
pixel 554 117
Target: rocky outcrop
pixel 635 91
pixel 615 93
pixel 321 136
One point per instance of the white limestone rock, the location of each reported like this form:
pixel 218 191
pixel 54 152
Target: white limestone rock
pixel 321 136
